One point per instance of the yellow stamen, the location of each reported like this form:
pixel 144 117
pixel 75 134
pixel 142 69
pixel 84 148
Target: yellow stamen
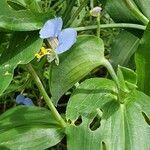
pixel 43 51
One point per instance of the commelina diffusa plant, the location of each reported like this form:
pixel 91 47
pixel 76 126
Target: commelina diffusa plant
pixel 62 90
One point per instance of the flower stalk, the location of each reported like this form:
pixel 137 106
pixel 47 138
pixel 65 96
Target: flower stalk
pixel 112 25
pixel 45 96
pixel 110 69
pixel 98 25
pixel 121 91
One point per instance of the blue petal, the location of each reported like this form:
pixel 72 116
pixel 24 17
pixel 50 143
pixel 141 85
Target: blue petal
pixel 66 38
pixel 28 102
pixel 19 99
pixel 51 28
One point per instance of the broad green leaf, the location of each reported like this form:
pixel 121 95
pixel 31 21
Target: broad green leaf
pixel 28 128
pixel 144 6
pixel 21 51
pixel 121 126
pixel 84 56
pixel 100 91
pixel 122 48
pixel 118 10
pixel 22 20
pixel 142 59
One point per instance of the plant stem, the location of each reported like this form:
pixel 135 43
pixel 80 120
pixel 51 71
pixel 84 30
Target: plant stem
pixel 110 69
pixel 121 92
pixel 98 25
pixel 133 8
pixel 83 4
pixel 45 96
pixel 112 25
pixel 91 3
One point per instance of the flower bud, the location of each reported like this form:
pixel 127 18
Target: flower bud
pixel 95 11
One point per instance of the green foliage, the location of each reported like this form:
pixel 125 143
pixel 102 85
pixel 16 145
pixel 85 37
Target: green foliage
pixel 21 50
pixel 84 56
pixel 96 110
pixel 127 78
pixel 67 13
pixel 122 48
pixel 143 62
pixel 23 20
pixel 144 6
pixel 119 125
pixel 29 128
pixel 120 12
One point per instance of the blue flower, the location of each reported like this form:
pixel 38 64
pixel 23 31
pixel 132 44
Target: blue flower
pixel 20 99
pixel 60 40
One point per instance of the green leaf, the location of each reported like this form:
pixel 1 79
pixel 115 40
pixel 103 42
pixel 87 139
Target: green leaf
pixel 28 128
pixel 144 6
pixel 142 59
pixel 21 51
pixel 84 56
pixel 16 5
pixel 118 10
pixel 99 90
pixel 123 47
pixel 67 13
pixel 22 20
pixel 127 78
pixel 120 126
pixel 19 2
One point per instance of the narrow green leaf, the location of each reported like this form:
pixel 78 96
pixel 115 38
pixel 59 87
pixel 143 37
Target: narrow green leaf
pixel 127 78
pixel 21 51
pixel 142 59
pixel 19 2
pixel 129 75
pixel 120 126
pixel 84 56
pixel 28 128
pixel 67 13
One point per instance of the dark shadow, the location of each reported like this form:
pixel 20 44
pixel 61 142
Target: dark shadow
pixel 15 6
pixel 78 121
pixel 96 123
pixel 103 145
pixel 146 118
pixel 4 148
